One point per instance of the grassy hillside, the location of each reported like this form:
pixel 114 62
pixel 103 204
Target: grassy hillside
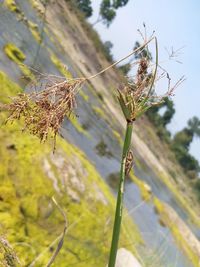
pixel 30 174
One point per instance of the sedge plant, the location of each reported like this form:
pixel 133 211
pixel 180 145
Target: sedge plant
pixel 43 113
pixel 134 101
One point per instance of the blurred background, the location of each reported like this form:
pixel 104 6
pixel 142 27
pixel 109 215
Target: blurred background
pixel 44 43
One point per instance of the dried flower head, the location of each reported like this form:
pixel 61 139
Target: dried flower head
pixel 138 95
pixel 44 111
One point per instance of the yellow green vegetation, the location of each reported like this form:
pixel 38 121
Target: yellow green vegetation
pixel 179 234
pixel 78 127
pixel 90 87
pixel 60 66
pixel 37 5
pixel 99 111
pixel 30 175
pixel 158 205
pixel 83 95
pixel 8 88
pixel 184 203
pixel 138 163
pixel 118 137
pixel 17 56
pixel 51 37
pixel 34 30
pixel 12 6
pixel 14 53
pixel 145 189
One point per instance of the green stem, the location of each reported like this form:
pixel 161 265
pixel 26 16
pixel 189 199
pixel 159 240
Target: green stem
pixel 119 205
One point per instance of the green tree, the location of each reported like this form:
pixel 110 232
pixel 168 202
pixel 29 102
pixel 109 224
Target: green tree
pixel 108 46
pixel 197 188
pixel 183 138
pixel 85 7
pixel 181 144
pixel 162 120
pixel 107 49
pixel 154 116
pixel 186 136
pixel 125 68
pixel 169 113
pixel 186 160
pixel 119 3
pixel 194 126
pixel 107 11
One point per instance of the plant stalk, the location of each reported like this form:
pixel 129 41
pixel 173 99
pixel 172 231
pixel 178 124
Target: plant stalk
pixel 119 205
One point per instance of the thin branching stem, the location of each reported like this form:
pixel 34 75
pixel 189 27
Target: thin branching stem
pixel 122 59
pixel 154 76
pixel 61 241
pixel 119 205
pixel 156 68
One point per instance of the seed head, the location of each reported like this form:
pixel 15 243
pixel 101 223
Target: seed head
pixel 43 112
pixel 138 94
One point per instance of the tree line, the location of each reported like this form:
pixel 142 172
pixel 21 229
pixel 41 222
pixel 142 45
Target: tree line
pixel 107 11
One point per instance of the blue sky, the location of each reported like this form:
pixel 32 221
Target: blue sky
pixel 176 24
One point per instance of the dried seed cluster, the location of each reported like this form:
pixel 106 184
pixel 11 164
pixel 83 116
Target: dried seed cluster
pixel 138 95
pixel 44 111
